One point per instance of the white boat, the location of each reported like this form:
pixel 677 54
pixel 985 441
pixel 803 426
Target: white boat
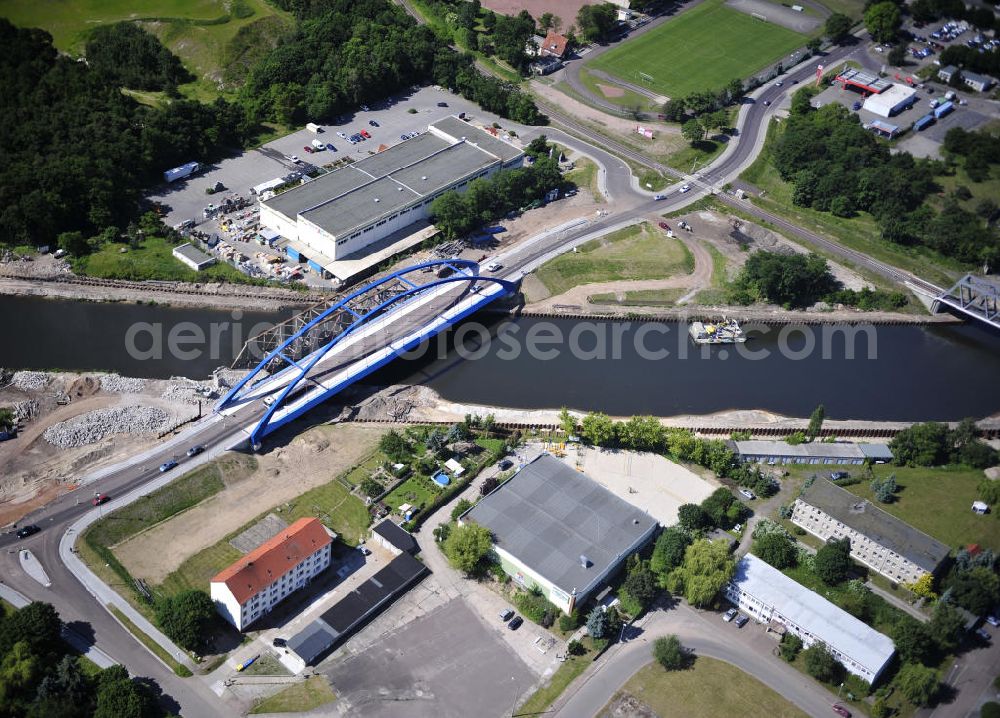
pixel 726 332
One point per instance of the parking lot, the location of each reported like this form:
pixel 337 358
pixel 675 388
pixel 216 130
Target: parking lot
pixel 445 664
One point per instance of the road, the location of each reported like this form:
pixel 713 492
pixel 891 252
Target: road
pixel 749 649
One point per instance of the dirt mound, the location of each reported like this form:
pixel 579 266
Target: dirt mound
pixel 84 386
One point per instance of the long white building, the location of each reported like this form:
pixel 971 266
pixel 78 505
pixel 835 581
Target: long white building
pixel 769 596
pixel 345 211
pixel 255 584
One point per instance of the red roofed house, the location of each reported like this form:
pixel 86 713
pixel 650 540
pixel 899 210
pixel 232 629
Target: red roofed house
pixel 260 580
pixel 554 45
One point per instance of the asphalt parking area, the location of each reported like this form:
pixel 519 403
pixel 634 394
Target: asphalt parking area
pixel 445 664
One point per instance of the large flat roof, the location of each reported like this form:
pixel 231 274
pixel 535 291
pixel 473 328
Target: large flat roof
pixel 828 623
pixel 889 531
pixel 819 449
pixel 548 516
pixel 344 200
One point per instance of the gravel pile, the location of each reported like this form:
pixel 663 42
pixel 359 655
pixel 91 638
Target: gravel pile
pixel 97 425
pixel 31 380
pixel 121 384
pixel 187 391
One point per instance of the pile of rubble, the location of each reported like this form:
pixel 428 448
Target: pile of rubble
pixel 95 426
pixel 116 384
pixel 31 380
pixel 188 390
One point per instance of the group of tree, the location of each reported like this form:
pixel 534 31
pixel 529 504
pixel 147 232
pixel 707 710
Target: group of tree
pixel 930 10
pixel 972 59
pixel 706 569
pixel 935 444
pixel 973 582
pixel 187 618
pixel 707 105
pixel 603 623
pixel 772 543
pixel 883 20
pixel 838 27
pixel 488 198
pixel 41 678
pixel 720 509
pixel 639 587
pixel 597 23
pixel 126 55
pixel 979 150
pixel 835 165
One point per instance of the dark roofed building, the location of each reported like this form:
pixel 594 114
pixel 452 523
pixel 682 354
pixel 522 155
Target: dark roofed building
pixel 559 530
pixel 394 537
pixel 879 540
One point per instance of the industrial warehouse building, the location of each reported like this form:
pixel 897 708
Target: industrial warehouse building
pixel 781 452
pixel 558 529
pixel 891 101
pixel 351 208
pixel 771 597
pixel 259 581
pixel 879 540
pixel 193 257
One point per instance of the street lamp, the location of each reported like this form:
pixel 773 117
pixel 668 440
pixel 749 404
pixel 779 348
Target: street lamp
pixel 517 693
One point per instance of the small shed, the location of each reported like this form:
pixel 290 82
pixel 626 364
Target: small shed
pixel 454 467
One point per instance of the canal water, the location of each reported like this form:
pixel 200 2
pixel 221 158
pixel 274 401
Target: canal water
pixel 886 372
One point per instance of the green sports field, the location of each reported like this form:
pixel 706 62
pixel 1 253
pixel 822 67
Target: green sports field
pixel 701 49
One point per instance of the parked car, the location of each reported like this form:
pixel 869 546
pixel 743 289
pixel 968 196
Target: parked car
pixel 839 476
pixel 856 106
pixel 100 499
pixel 665 227
pixel 742 620
pixel 505 464
pixel 840 710
pixel 342 135
pixel 515 623
pixel 331 147
pixel 729 615
pixel 278 642
pixel 195 450
pixel 506 615
pixel 747 493
pixel 404 137
pixel 364 133
pixel 373 123
pixel 167 466
pixel 442 104
pixel 983 633
pixel 26 531
pixel 993 620
pixel 309 150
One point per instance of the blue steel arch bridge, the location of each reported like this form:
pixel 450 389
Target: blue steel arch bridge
pixel 341 343
pixel 976 297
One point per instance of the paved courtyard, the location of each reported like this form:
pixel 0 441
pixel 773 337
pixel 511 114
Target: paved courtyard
pixel 445 664
pixel 649 481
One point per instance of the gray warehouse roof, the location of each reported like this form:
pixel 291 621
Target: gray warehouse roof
pixel 845 450
pixel 827 622
pixel 548 516
pixel 873 522
pixel 344 200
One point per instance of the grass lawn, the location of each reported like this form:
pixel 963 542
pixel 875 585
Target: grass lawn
pixel 365 469
pixel 179 668
pixel 710 688
pixel 416 491
pixel 203 33
pixel 701 49
pixel 567 672
pixel 852 8
pixel 636 252
pixel 641 298
pixel 196 571
pixel 628 99
pixel 299 698
pixel 153 260
pixel 584 176
pixel 267 665
pixel 861 232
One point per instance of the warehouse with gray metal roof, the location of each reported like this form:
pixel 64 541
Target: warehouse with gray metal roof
pixel 558 529
pixel 343 212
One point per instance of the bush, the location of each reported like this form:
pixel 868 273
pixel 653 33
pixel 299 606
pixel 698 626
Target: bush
pixel 990 709
pixel 669 653
pixel 570 622
pixel 186 617
pixel 393 445
pixel 461 507
pixel 576 648
pixel 535 607
pixel 833 561
pixel 371 488
pixel 790 646
pixel 821 665
pixel 776 549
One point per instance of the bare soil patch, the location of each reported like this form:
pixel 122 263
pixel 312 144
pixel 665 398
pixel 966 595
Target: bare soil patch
pixel 610 90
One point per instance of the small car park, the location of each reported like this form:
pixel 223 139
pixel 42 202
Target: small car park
pixel 100 499
pixel 729 615
pixel 515 623
pixel 167 466
pixel 195 450
pixel 26 531
pixel 742 620
pixel 506 615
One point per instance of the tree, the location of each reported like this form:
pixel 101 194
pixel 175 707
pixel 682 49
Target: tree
pixel 990 709
pixel 885 489
pixel 186 617
pixel 567 422
pixel 73 243
pixel 393 445
pixel 820 663
pixel 946 628
pixel 814 44
pixel 641 433
pixel 64 692
pixel 37 625
pixel 707 567
pixel 693 131
pixel 574 647
pixel 370 487
pixel 918 683
pixel 638 589
pixel 691 517
pixel 596 22
pixel 668 552
pixel 790 646
pixel 488 485
pixel 883 20
pixel 119 697
pixel 912 639
pixel 598 623
pixel 833 561
pixel 670 653
pixel 976 590
pixel 548 21
pixel 816 421
pixel 467 545
pixel 777 549
pixel 897 54
pixel 926 444
pixel 838 26
pixel 597 428
pixel 461 507
pixel 924 586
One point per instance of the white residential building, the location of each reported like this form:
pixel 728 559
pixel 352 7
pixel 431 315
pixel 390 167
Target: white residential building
pixel 879 540
pixel 769 596
pixel 255 584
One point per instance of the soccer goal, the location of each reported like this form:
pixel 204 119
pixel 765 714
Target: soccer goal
pixel 644 77
pixel 758 16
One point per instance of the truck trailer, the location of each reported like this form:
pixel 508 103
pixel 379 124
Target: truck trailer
pixel 944 109
pixel 314 128
pixel 181 172
pixel 923 123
